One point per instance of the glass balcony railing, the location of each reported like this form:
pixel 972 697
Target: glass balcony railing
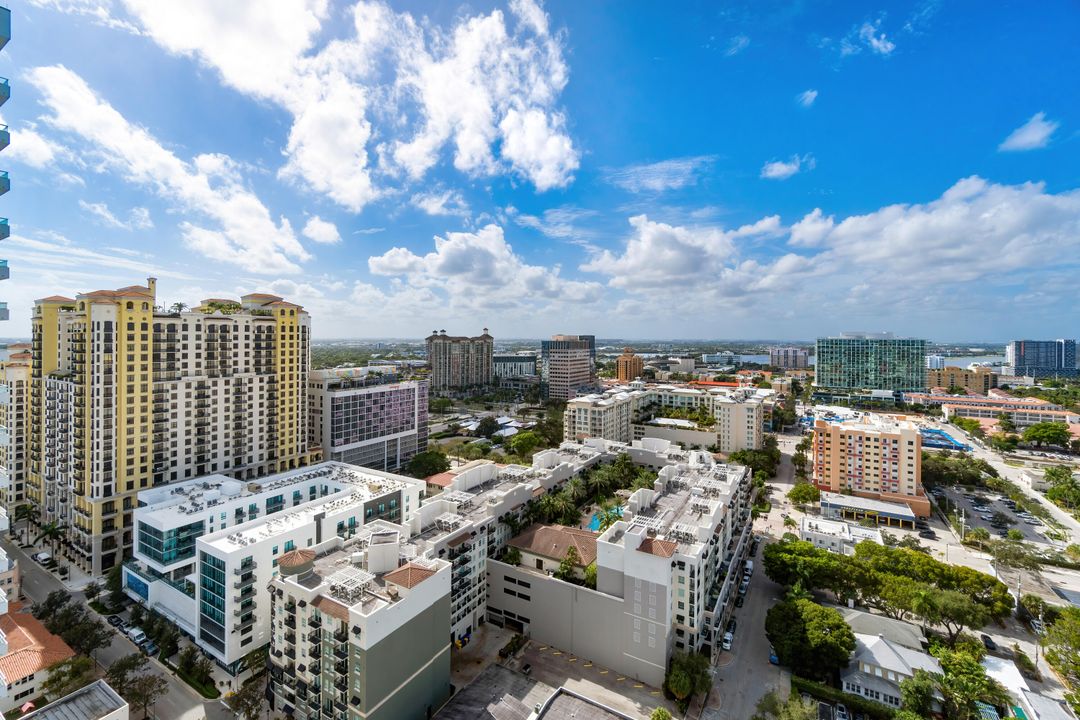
pixel 5 90
pixel 4 311
pixel 5 137
pixel 5 35
pixel 5 273
pixel 5 182
pixel 5 229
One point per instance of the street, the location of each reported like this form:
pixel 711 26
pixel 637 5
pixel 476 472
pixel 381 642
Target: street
pixel 180 703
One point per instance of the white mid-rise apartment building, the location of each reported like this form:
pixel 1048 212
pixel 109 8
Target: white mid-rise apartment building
pixel 207 548
pixel 636 410
pixel 667 573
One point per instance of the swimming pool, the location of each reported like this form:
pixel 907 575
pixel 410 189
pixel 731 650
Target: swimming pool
pixel 594 524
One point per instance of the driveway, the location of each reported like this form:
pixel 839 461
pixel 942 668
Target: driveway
pixel 180 703
pixel 743 674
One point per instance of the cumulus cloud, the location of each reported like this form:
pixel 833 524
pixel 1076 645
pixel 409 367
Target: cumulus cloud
pixel 240 230
pixel 321 231
pixel 1032 135
pixel 866 36
pixel 387 98
pixel 658 254
pixel 480 270
pixel 782 170
pixel 138 218
pixel 659 176
pixel 806 98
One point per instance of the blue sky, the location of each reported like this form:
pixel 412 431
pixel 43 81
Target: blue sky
pixel 729 170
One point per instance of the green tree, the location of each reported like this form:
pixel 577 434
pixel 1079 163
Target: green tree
pixel 89 636
pixel 771 707
pixel 954 611
pixel 590 575
pixel 122 671
pixel 428 463
pixel 92 590
pixel 247 702
pixel 688 675
pixel 814 640
pixel 67 676
pixel 28 514
pixel 657 714
pixel 440 405
pixel 1062 642
pixel 185 662
pixel 54 532
pixel 512 556
pixel 964 682
pixel 145 690
pixel 1064 487
pixel 525 443
pixel 1006 423
pixel 979 535
pixel 487 427
pixel 804 493
pixel 114 584
pixel 1048 433
pixel 917 693
pixel 54 602
pixel 679 683
pixel 568 564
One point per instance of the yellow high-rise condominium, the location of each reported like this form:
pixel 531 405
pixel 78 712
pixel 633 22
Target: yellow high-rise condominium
pixel 126 395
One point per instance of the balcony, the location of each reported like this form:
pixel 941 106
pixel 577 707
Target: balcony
pixel 245 609
pixel 5 137
pixel 247 592
pixel 4 315
pixel 5 90
pixel 5 271
pixel 246 622
pixel 341 653
pixel 244 581
pixel 245 567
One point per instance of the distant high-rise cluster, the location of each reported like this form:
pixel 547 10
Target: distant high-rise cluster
pixel 568 366
pixel 459 362
pixel 5 139
pixel 870 361
pixel 1041 358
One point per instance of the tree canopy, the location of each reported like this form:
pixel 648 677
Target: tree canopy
pixel 813 640
pixel 804 493
pixel 428 463
pixel 1048 433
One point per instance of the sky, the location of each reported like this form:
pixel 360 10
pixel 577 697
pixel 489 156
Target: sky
pixel 751 169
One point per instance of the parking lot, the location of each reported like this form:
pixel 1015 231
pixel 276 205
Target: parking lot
pixel 980 508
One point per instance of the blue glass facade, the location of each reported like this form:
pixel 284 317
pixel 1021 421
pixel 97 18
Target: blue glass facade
pixel 212 601
pixel 169 546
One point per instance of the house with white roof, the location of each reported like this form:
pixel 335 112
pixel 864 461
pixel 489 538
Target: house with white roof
pixel 878 666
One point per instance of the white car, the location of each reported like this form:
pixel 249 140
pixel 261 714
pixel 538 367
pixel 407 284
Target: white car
pixel 726 642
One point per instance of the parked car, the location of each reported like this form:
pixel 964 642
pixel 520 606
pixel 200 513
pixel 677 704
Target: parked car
pixel 774 658
pixel 732 625
pixel 740 600
pixel 929 534
pixel 1037 626
pixel 726 642
pixel 841 712
pixel 526 669
pixel 136 634
pixel 149 647
pixel 42 558
pixel 988 642
pixel 115 620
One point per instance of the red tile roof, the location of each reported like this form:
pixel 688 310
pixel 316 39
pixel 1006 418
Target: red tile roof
pixel 656 546
pixel 409 575
pixel 442 479
pixel 332 608
pixel 552 541
pixel 31 648
pixel 56 298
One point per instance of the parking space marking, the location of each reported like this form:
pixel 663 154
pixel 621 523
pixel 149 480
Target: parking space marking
pixel 620 679
pixel 571 659
pixel 556 653
pixel 588 664
pixel 638 685
pixel 603 672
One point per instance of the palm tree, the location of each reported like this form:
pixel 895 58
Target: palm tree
pixel 979 535
pixel 598 483
pixel 54 532
pixel 575 488
pixel 178 307
pixel 563 506
pixel 30 514
pixel 546 508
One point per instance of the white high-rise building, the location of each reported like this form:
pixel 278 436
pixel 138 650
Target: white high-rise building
pixel 935 362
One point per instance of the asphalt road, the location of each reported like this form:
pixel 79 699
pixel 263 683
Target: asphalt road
pixel 973 519
pixel 180 703
pixel 743 674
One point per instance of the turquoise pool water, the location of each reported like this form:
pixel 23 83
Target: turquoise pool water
pixel 594 524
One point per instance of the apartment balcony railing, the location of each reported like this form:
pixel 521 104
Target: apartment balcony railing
pixel 5 271
pixel 5 137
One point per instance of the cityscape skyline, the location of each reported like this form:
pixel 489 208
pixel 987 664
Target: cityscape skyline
pixel 325 175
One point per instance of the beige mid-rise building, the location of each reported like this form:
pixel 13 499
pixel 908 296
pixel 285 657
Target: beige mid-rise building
pixel 872 456
pixel 14 424
pixel 979 379
pixel 125 396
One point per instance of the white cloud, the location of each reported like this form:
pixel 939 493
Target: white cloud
pixel 444 202
pixel 100 11
pixel 1032 135
pixel 480 271
pixel 242 233
pixel 658 255
pixel 558 223
pixel 659 176
pixel 321 231
pixel 868 35
pixel 386 99
pixel 138 218
pixel 812 229
pixel 30 148
pixel 782 170
pixel 806 98
pixel 737 45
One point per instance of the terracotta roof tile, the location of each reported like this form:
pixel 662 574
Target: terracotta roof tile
pixel 31 648
pixel 656 546
pixel 409 575
pixel 552 541
pixel 56 298
pixel 442 479
pixel 295 558
pixel 332 608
